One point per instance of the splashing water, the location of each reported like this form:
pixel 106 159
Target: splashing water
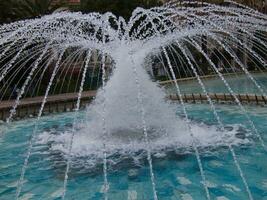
pixel 130 115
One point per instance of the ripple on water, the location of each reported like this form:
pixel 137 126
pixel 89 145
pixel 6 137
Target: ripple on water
pixel 132 195
pixel 175 171
pixel 215 163
pixel 27 196
pixel 183 181
pixel 15 183
pixel 222 198
pixel 231 188
pixel 58 193
pixel 186 197
pixel 210 184
pixel 264 184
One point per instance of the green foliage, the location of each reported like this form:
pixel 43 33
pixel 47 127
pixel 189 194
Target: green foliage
pixel 122 8
pixel 7 12
pixel 23 9
pixel 12 10
pixel 34 8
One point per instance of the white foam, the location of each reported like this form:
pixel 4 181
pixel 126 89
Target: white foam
pixel 160 155
pixel 123 119
pixel 104 188
pixel 132 172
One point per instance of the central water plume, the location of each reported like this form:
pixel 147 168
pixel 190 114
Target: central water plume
pixel 123 115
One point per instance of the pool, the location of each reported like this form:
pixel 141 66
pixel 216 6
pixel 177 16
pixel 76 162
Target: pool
pixel 239 83
pixel 177 174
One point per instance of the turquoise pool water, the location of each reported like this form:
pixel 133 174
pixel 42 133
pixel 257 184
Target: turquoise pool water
pixel 176 172
pixel 239 84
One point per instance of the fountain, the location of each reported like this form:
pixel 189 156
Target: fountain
pixel 130 124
